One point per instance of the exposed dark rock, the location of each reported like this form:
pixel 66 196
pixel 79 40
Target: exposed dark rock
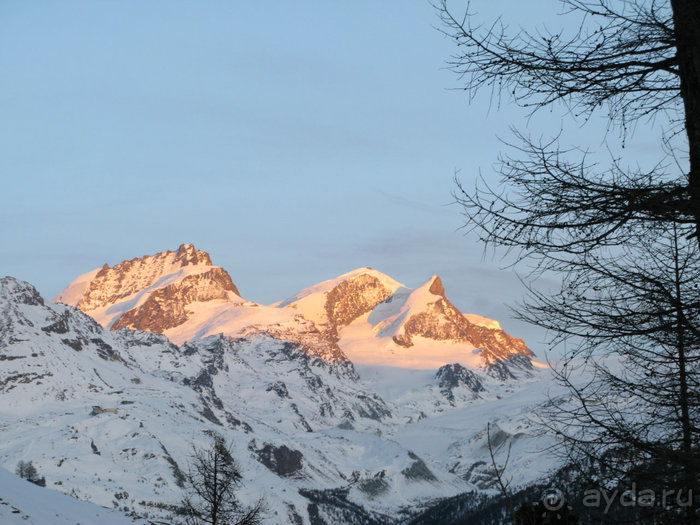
pixel 202 381
pixel 11 381
pixel 507 368
pixel 436 287
pixel 351 299
pixel 332 506
pixel 497 345
pixel 374 486
pixel 166 307
pixel 235 422
pixel 305 425
pixel 13 357
pixel 281 460
pixel 278 388
pixel 111 284
pixel 105 351
pixel 293 516
pixel 212 350
pixel 60 326
pixel 75 344
pixel 187 255
pixel 177 473
pixel 372 407
pixel 418 471
pixel 326 409
pixel 468 476
pixel 441 321
pixel 209 414
pixel 20 291
pixel 142 338
pixel 100 377
pixel 455 375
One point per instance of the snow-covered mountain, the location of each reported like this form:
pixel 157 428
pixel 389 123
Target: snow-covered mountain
pixel 421 328
pixel 363 314
pixel 327 432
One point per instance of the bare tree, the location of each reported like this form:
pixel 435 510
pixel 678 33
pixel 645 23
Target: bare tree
pixel 639 59
pixel 636 418
pixel 211 483
pixel 499 472
pixel 624 242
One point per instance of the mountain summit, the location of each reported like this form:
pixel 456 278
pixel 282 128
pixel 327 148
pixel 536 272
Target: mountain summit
pixel 363 314
pixel 153 292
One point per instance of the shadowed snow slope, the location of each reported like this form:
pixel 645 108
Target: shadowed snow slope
pixel 23 503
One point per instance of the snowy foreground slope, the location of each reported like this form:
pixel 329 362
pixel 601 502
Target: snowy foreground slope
pixel 323 439
pixel 23 503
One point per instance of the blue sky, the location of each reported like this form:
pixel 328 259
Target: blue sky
pixel 294 141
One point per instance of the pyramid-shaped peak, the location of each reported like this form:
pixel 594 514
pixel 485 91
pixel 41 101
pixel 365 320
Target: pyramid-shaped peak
pixel 435 286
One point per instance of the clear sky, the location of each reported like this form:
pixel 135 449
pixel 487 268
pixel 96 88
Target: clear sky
pixel 294 141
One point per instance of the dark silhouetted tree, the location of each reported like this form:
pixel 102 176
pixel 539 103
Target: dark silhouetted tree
pixel 640 59
pixel 27 470
pixel 211 483
pixel 624 242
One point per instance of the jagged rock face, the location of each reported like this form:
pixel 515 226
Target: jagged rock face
pixel 508 367
pixel 153 292
pixel 166 307
pixel 281 460
pixel 497 345
pixel 19 292
pixel 353 298
pixel 40 341
pixel 339 306
pixel 317 344
pixel 453 376
pixel 157 293
pixel 314 393
pixel 437 288
pixel 127 278
pixel 442 321
pixel 418 470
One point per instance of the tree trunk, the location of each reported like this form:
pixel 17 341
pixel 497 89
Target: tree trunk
pixel 686 22
pixel 689 473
